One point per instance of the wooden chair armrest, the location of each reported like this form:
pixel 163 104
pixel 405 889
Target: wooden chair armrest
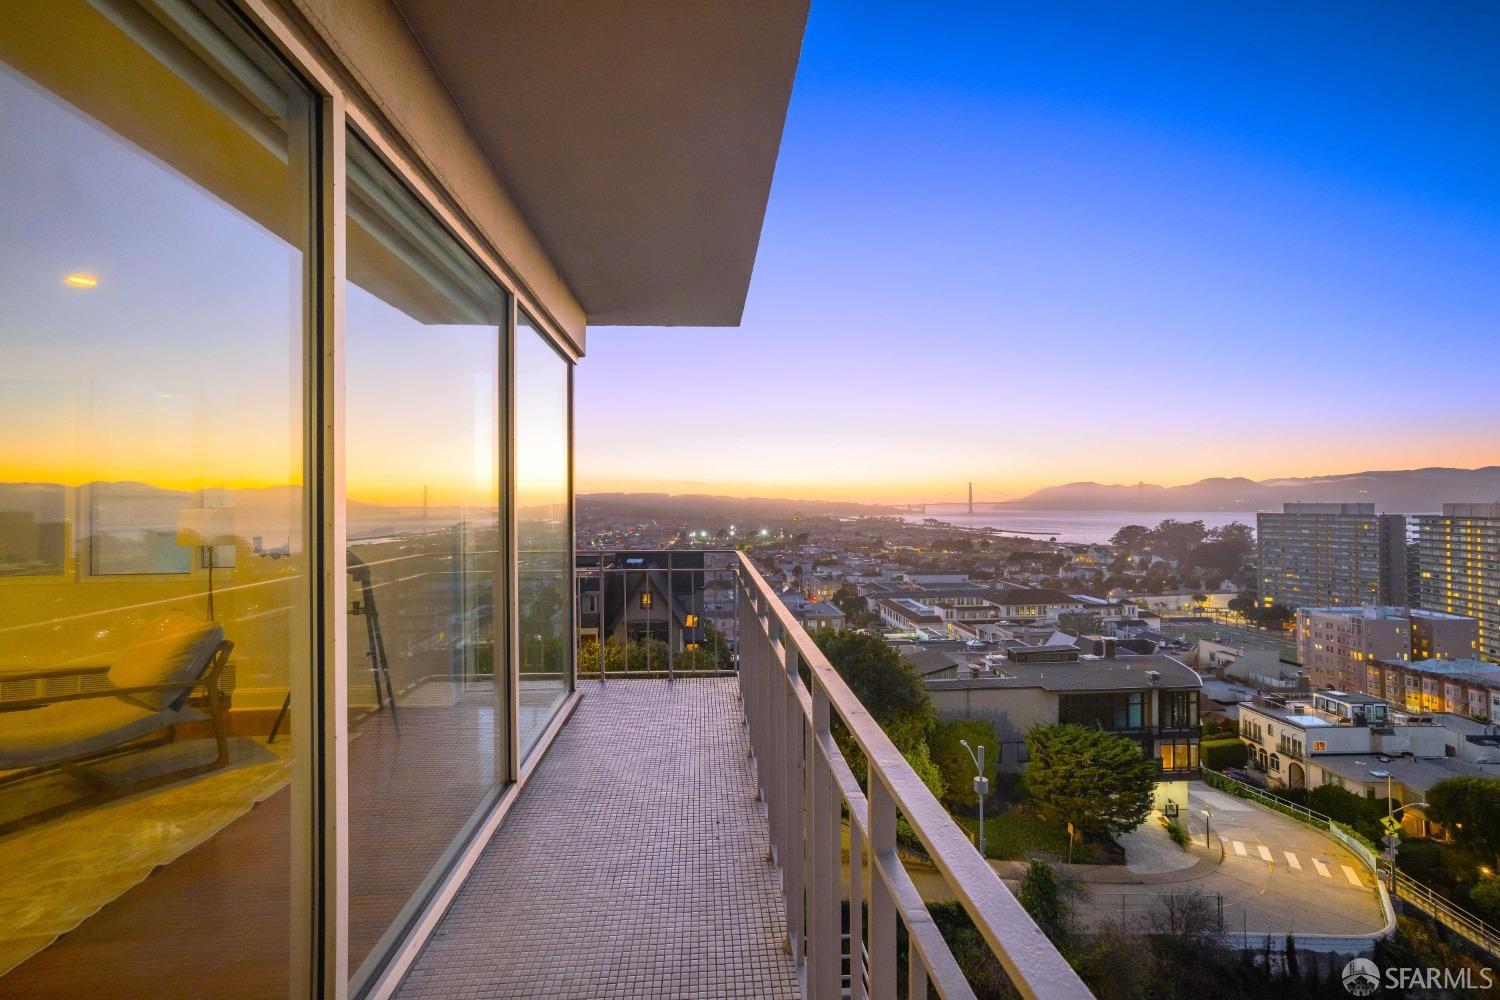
pixel 32 674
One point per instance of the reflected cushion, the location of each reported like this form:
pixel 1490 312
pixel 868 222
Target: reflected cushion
pixel 71 729
pixel 174 648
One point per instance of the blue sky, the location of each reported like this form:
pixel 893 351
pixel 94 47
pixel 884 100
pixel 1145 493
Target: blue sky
pixel 1023 245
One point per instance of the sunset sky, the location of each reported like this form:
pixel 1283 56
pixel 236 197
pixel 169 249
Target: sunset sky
pixel 1024 245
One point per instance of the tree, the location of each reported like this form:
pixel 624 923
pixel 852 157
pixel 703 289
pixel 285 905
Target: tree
pixel 1131 538
pixel 1469 807
pixel 1243 603
pixel 890 690
pixel 1099 782
pixel 954 762
pixel 1276 616
pixel 1173 539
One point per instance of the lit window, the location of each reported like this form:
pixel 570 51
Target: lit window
pixel 645 599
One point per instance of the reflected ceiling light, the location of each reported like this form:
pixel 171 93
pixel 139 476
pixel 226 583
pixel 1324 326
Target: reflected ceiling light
pixel 81 280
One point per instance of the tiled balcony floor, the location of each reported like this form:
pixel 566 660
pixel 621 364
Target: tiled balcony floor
pixel 632 865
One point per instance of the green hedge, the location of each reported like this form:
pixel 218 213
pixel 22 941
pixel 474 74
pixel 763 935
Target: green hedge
pixel 1219 754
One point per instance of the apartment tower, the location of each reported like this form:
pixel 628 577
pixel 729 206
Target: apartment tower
pixel 1314 555
pixel 1458 566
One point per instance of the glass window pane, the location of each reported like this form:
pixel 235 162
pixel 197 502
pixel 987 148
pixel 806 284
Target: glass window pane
pixel 427 732
pixel 154 575
pixel 544 530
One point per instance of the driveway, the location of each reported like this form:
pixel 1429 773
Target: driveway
pixel 1276 876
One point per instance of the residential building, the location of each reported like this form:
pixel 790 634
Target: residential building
pixel 1032 604
pixel 1260 667
pixel 1360 743
pixel 1152 700
pixel 675 597
pixel 1458 566
pixel 1466 687
pixel 813 613
pixel 1321 554
pixel 1338 646
pixel 909 613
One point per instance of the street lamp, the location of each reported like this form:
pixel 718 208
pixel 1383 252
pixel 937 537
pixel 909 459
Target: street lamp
pixel 1208 828
pixel 981 786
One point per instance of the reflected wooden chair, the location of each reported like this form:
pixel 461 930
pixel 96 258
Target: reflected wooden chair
pixel 147 696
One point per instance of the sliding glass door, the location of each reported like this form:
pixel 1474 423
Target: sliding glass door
pixel 544 530
pixel 427 718
pixel 155 583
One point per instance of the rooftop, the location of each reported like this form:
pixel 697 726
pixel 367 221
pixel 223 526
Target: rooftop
pixel 1416 773
pixel 1124 673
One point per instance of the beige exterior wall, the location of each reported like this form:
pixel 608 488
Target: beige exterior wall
pixel 391 82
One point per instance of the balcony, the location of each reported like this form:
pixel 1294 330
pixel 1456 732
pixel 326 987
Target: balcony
pixel 701 835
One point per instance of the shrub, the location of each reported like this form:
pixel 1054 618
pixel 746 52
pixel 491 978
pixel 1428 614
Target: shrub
pixel 1361 814
pixel 1176 832
pixel 1484 899
pixel 1041 895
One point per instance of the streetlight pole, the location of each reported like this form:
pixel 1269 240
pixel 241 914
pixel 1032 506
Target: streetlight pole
pixel 981 786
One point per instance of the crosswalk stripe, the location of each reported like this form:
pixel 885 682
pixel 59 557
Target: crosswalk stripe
pixel 1239 848
pixel 1351 876
pixel 1265 852
pixel 1321 867
pixel 1291 859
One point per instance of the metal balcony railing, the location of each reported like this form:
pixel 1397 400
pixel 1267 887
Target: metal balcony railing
pixel 809 792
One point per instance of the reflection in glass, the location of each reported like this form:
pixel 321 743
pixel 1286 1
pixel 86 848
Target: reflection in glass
pixel 544 530
pixel 154 583
pixel 423 424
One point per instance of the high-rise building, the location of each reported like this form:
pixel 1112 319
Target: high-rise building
pixel 1328 554
pixel 1338 646
pixel 1458 566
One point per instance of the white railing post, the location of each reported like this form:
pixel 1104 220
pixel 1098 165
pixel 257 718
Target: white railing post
pixel 856 907
pixel 882 826
pixel 825 949
pixel 791 737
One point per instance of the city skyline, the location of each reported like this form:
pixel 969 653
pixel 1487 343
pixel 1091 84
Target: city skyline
pixel 1025 248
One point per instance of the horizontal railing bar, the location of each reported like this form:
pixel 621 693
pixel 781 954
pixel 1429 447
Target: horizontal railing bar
pixel 1028 957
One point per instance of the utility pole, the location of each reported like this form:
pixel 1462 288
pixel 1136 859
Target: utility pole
pixel 971 499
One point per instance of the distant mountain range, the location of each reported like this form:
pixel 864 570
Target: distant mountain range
pixel 704 505
pixel 1400 491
